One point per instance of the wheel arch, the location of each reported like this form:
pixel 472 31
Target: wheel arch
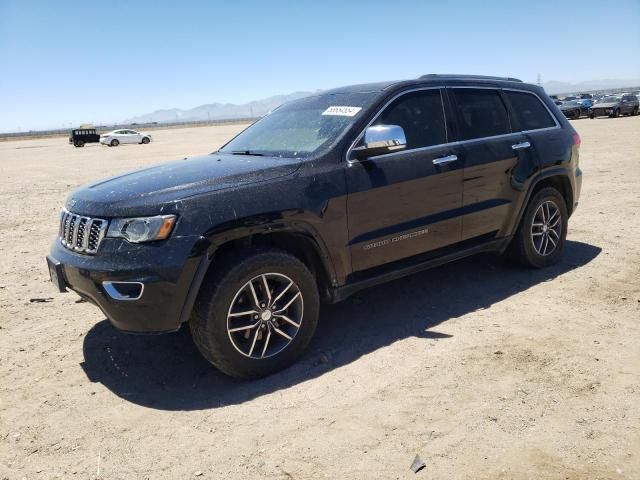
pixel 300 242
pixel 559 181
pixel 557 178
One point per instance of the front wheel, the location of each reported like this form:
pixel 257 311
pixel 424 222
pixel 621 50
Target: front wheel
pixel 542 233
pixel 114 143
pixel 256 313
pixel 635 111
pixel 145 140
pixel 615 113
pixel 79 143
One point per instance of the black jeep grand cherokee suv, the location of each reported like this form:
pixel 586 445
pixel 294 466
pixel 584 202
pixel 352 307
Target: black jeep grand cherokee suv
pixel 322 197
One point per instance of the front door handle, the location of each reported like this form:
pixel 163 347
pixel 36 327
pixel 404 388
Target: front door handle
pixel 521 146
pixel 443 160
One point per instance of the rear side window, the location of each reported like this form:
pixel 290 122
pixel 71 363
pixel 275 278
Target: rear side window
pixel 528 112
pixel 421 116
pixel 481 113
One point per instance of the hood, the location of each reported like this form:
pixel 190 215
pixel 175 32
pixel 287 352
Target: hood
pixel 159 189
pixel 606 105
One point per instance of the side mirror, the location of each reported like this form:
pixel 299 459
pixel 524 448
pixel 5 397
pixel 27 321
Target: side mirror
pixel 380 139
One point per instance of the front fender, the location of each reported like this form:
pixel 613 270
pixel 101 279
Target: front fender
pixel 248 228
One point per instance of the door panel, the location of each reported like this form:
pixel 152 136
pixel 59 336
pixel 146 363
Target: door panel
pixel 491 155
pixel 402 204
pixel 489 195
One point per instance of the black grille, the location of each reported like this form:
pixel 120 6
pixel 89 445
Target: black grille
pixel 81 234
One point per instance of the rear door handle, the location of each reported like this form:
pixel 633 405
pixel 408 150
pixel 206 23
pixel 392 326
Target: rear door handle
pixel 521 146
pixel 443 160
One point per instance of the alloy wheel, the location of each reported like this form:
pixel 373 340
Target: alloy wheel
pixel 265 315
pixel 546 229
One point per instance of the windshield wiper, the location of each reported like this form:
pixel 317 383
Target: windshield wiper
pixel 247 152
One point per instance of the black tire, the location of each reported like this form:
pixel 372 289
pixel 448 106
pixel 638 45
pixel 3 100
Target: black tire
pixel 114 143
pixel 209 321
pixel 523 248
pixel 79 143
pixel 576 115
pixel 145 140
pixel 635 111
pixel 615 113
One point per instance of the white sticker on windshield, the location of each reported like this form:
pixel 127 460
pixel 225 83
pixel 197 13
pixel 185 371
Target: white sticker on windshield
pixel 342 111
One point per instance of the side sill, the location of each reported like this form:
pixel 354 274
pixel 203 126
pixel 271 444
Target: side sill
pixel 343 292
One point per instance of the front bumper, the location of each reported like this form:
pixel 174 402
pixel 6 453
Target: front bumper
pixel 165 269
pixel 572 113
pixel 600 112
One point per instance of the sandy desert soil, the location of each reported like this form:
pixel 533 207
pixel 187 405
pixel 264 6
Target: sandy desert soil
pixel 484 370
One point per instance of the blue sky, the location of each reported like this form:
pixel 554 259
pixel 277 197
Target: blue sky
pixel 66 62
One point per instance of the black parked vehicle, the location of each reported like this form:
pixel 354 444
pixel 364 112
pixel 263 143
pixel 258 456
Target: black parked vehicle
pixel 80 136
pixel 572 109
pixel 615 105
pixel 324 196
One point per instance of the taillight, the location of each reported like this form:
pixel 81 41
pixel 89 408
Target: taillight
pixel 576 139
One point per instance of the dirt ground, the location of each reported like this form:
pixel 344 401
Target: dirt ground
pixel 485 370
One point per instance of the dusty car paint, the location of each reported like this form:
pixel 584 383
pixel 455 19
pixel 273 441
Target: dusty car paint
pixel 361 217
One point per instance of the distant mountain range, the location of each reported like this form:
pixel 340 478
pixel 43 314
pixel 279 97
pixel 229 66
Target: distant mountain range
pixel 219 111
pixel 258 108
pixel 553 86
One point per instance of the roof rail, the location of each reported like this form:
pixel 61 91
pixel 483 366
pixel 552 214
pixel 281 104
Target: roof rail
pixel 465 77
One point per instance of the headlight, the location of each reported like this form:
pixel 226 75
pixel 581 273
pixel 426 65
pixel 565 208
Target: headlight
pixel 143 229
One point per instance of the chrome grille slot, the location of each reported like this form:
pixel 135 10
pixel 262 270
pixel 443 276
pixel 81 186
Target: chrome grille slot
pixel 81 234
pixel 96 234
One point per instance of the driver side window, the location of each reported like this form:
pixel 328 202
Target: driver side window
pixel 421 116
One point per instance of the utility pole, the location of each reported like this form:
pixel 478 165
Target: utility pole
pixel 539 80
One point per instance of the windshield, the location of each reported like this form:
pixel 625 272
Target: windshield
pixel 609 99
pixel 301 128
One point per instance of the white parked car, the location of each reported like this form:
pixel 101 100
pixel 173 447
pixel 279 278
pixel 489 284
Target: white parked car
pixel 116 137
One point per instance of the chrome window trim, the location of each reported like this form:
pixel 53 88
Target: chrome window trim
pixel 519 90
pixel 383 108
pixel 458 142
pixel 505 106
pixel 555 120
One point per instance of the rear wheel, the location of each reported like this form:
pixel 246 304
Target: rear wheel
pixel 114 143
pixel 542 233
pixel 256 313
pixel 576 115
pixel 79 143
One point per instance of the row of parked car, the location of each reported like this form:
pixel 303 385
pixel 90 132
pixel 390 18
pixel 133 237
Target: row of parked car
pixel 596 106
pixel 81 136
